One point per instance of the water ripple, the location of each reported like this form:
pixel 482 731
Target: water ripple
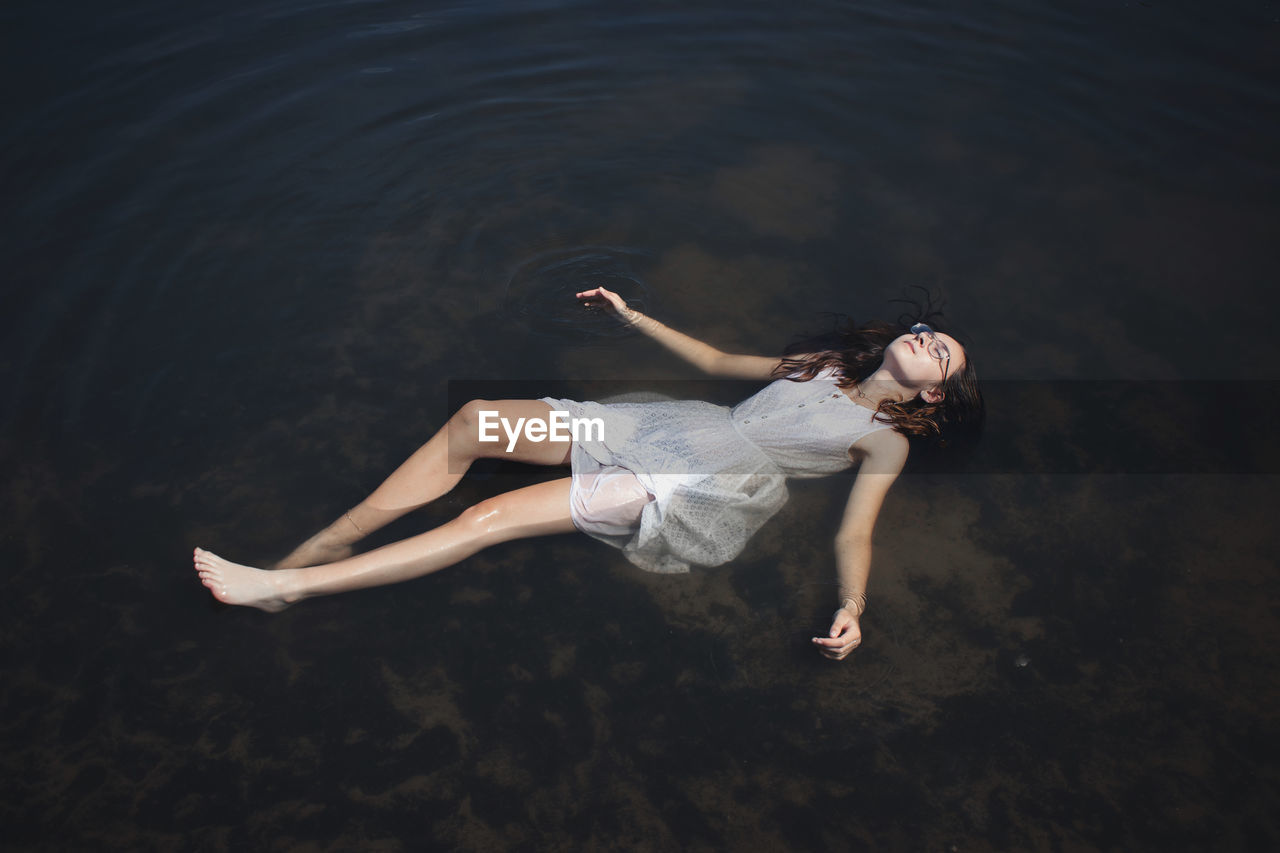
pixel 541 291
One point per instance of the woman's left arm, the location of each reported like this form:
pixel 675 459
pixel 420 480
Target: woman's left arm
pixel 884 454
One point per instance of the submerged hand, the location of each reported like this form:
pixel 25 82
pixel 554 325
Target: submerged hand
pixel 844 637
pixel 600 297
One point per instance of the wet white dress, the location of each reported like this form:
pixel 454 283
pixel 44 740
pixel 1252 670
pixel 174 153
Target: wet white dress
pixel 676 483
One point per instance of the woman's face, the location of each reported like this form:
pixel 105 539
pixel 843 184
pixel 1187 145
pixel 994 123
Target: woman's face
pixel 908 358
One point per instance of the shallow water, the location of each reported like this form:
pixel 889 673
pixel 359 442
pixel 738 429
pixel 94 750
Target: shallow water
pixel 249 249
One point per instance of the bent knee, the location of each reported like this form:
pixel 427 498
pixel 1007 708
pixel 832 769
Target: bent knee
pixel 464 428
pixel 468 414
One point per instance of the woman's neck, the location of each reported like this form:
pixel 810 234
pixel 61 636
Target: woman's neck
pixel 877 388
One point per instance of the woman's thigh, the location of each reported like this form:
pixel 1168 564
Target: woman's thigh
pixel 505 423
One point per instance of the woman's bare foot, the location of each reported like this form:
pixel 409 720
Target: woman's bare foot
pixel 232 583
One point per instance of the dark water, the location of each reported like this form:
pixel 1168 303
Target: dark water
pixel 246 248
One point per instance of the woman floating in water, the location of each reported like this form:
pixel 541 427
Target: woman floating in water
pixel 671 483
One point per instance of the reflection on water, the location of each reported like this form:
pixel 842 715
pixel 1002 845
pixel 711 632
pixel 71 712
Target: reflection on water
pixel 248 248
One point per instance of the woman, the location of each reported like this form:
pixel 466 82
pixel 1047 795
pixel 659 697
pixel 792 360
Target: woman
pixel 670 483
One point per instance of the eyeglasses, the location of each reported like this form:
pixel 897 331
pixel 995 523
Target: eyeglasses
pixel 936 348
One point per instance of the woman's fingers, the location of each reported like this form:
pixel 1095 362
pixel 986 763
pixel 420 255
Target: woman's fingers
pixel 593 297
pixel 600 297
pixel 838 652
pixel 845 637
pixel 829 645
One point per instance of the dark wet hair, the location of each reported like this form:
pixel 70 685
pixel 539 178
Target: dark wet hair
pixel 858 349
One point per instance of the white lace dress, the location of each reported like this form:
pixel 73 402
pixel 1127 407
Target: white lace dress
pixel 676 483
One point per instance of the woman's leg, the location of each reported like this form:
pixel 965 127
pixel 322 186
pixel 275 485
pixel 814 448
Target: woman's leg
pixel 430 472
pixel 536 510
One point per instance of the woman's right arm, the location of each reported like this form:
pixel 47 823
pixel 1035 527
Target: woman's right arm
pixel 701 355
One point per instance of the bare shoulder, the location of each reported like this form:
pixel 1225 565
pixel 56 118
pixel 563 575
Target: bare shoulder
pixel 881 451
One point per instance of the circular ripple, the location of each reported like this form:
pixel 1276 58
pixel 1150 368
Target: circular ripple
pixel 542 291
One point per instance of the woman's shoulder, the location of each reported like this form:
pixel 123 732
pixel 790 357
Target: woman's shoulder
pixel 885 449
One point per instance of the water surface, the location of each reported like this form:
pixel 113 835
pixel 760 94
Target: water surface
pixel 248 246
